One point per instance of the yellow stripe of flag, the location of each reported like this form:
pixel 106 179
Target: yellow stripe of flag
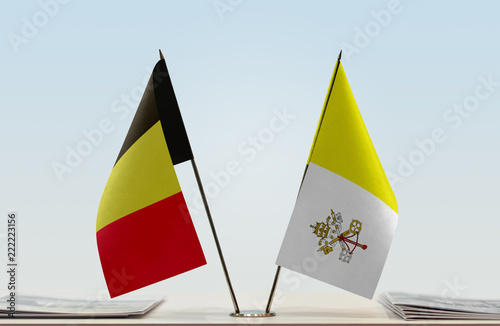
pixel 343 146
pixel 141 177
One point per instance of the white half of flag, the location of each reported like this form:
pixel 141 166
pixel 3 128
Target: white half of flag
pixel 333 202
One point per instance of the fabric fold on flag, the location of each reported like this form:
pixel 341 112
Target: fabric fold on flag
pixel 144 230
pixel 346 213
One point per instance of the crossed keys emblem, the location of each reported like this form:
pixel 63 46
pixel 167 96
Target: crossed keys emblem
pixel 331 234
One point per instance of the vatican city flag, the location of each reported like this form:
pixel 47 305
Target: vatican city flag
pixel 346 213
pixel 144 231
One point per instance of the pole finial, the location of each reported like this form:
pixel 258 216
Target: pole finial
pixel 340 55
pixel 161 56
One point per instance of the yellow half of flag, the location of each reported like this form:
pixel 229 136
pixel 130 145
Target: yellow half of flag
pixel 342 144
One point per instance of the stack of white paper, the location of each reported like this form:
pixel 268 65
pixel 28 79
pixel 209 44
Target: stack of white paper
pixel 74 307
pixel 413 307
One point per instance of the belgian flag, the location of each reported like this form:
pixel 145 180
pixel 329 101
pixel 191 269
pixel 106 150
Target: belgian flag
pixel 144 231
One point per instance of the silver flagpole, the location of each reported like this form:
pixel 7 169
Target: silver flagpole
pixel 273 290
pixel 278 270
pixel 237 312
pixel 214 233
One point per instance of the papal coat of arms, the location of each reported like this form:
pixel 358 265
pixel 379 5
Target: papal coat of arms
pixel 331 234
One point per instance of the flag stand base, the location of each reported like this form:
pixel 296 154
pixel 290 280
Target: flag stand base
pixel 253 313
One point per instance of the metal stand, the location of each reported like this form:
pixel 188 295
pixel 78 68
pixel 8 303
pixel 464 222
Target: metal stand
pixel 252 313
pixel 237 312
pixel 260 313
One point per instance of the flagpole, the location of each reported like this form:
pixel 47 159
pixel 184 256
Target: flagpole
pixel 324 108
pixel 273 289
pixel 212 227
pixel 214 233
pixel 278 269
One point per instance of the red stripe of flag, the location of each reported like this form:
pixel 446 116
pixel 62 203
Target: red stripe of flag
pixel 149 245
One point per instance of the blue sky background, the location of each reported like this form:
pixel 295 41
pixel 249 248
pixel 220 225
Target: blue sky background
pixel 232 71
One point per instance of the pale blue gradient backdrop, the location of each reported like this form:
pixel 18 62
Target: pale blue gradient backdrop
pixel 229 75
